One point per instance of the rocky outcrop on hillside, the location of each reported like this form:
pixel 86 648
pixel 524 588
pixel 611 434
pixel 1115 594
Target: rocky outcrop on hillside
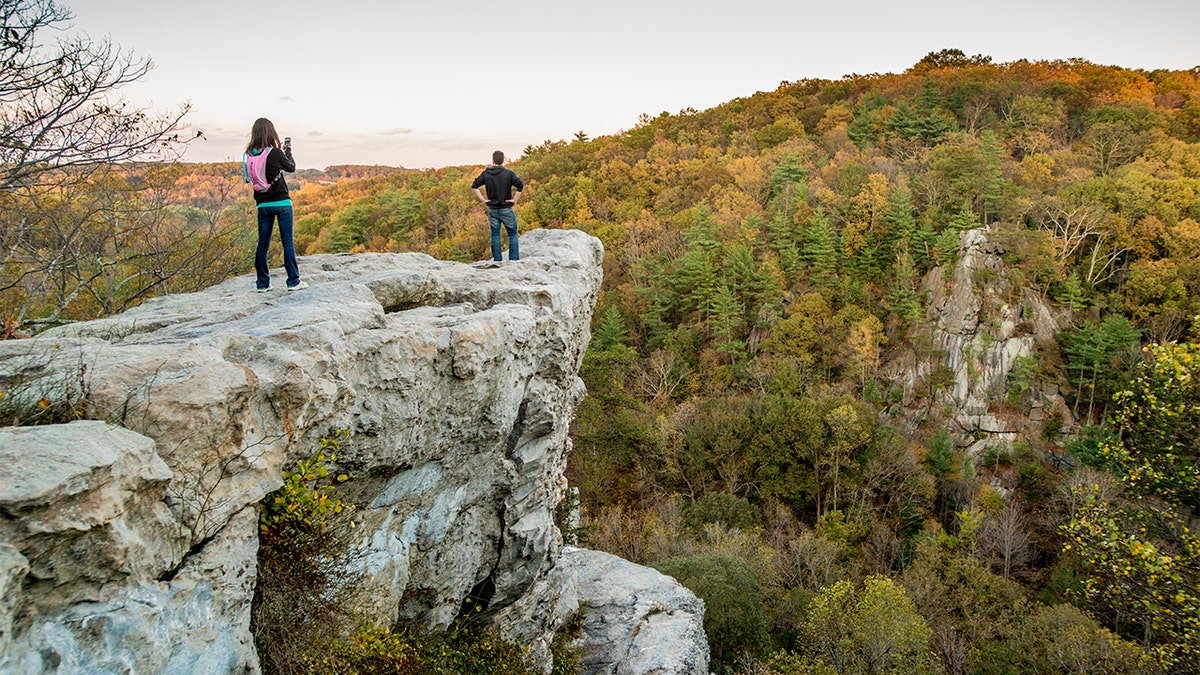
pixel 634 619
pixel 967 356
pixel 130 546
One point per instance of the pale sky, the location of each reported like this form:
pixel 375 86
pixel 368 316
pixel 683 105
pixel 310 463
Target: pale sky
pixel 444 82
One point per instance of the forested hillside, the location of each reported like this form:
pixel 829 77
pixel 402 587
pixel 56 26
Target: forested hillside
pixel 757 425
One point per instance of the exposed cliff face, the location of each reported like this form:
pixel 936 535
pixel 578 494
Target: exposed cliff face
pixel 135 546
pixel 635 620
pixel 980 323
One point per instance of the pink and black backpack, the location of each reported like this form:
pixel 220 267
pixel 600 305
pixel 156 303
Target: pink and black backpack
pixel 254 170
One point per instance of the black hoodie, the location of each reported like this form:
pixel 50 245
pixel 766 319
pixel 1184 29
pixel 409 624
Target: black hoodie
pixel 500 182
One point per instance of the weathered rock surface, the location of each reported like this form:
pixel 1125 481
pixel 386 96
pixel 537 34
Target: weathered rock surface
pixel 451 386
pixel 85 512
pixel 635 620
pixel 979 324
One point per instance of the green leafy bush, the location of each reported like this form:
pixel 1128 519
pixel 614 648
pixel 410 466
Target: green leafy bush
pixel 788 663
pixel 305 507
pixel 724 508
pixel 872 629
pixel 1060 639
pixel 304 597
pixel 734 616
pixel 465 649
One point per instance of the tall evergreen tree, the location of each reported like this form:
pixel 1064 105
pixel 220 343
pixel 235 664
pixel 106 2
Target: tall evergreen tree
pixel 903 298
pixel 932 121
pixel 696 280
pixel 787 184
pixel 992 189
pixel 904 122
pixel 820 250
pixel 740 274
pixel 611 330
pixel 656 287
pixel 727 321
pixel 696 273
pixel 783 242
pixel 863 130
pixel 770 306
pixel 902 225
pixel 1092 354
pixel 1071 294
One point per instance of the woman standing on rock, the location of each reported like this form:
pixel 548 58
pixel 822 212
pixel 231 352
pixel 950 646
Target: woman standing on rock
pixel 263 166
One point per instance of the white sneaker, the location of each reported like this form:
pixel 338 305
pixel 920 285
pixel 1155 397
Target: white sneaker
pixel 298 287
pixel 262 290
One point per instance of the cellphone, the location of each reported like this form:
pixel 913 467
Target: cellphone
pixel 287 142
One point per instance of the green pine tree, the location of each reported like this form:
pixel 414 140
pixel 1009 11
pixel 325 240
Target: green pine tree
pixel 933 121
pixel 820 251
pixel 993 188
pixel 923 244
pixel 901 223
pixel 782 240
pixel 696 281
pixel 863 130
pixel 903 122
pixel 611 330
pixel 787 184
pixel 903 298
pixel 962 221
pixel 740 273
pixel 727 322
pixel 1071 294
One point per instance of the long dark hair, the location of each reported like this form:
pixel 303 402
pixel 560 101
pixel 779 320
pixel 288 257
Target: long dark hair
pixel 262 135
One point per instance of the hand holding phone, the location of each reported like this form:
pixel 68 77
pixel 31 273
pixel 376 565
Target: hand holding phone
pixel 287 143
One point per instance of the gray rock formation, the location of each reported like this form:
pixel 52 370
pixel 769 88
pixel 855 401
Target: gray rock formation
pixel 88 538
pixel 980 324
pixel 635 621
pixel 451 387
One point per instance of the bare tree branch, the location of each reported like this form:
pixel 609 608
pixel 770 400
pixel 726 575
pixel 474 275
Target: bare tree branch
pixel 59 106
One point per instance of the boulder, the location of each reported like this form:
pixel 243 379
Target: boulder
pixel 633 619
pixel 198 622
pixel 84 504
pixel 89 539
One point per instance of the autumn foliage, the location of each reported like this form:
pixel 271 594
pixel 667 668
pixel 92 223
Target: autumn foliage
pixel 766 262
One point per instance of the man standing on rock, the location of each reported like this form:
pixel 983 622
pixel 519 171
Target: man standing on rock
pixel 500 199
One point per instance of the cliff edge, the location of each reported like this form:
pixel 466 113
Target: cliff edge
pixel 129 544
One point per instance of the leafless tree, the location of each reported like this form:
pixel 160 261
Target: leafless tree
pixel 83 230
pixel 94 248
pixel 661 376
pixel 1079 487
pixel 1085 230
pixel 1004 539
pixel 809 561
pixel 1072 225
pixel 58 103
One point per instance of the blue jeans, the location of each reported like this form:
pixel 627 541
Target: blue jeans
pixel 266 218
pixel 509 219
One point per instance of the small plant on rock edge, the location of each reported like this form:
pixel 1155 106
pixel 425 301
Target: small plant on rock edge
pixel 307 503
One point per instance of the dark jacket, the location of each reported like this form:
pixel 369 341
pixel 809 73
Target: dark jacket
pixel 500 182
pixel 277 162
